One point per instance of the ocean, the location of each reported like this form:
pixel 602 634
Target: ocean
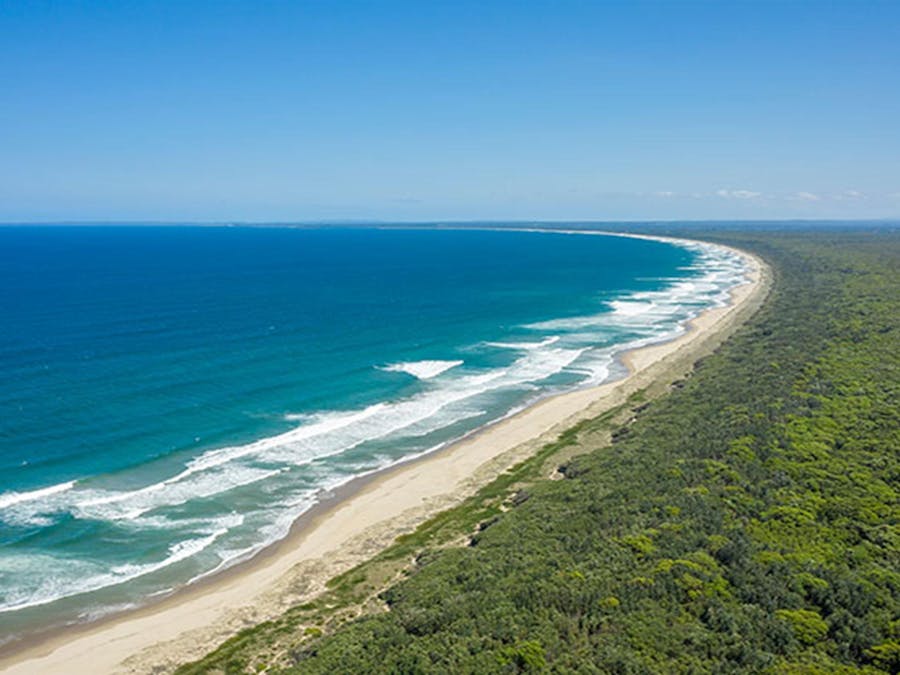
pixel 173 398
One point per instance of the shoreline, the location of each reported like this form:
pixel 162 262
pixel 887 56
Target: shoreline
pixel 362 517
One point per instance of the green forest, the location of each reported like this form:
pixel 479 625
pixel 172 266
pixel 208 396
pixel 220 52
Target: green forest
pixel 745 521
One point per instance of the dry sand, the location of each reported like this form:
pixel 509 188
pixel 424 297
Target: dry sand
pixel 347 531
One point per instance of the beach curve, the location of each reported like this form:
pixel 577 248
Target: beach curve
pixel 374 511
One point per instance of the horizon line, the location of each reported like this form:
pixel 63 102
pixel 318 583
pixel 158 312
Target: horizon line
pixel 339 222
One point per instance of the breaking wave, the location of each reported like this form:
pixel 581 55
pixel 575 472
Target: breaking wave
pixel 422 370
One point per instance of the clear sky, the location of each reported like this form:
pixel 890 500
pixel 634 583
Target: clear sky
pixel 325 110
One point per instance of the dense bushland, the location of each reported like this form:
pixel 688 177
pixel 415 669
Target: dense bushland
pixel 747 522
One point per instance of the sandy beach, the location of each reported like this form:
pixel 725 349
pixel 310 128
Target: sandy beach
pixel 363 519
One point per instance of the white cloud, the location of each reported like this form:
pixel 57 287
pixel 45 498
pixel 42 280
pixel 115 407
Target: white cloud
pixel 807 196
pixel 850 194
pixel 665 193
pixel 738 194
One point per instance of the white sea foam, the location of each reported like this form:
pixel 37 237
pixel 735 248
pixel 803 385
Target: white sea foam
pixel 133 504
pixel 425 412
pixel 423 370
pixel 677 302
pixel 8 499
pixel 630 308
pixel 322 435
pixel 42 579
pixel 325 424
pixel 546 342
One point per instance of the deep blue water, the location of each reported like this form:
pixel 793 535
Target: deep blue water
pixel 172 398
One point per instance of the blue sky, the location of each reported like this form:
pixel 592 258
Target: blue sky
pixel 448 110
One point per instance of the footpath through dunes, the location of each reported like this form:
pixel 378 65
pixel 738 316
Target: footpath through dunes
pixel 368 516
pixel 747 522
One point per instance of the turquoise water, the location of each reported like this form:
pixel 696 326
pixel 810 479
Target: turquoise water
pixel 173 398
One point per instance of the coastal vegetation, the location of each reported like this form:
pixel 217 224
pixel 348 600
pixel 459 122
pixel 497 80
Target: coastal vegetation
pixel 744 522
